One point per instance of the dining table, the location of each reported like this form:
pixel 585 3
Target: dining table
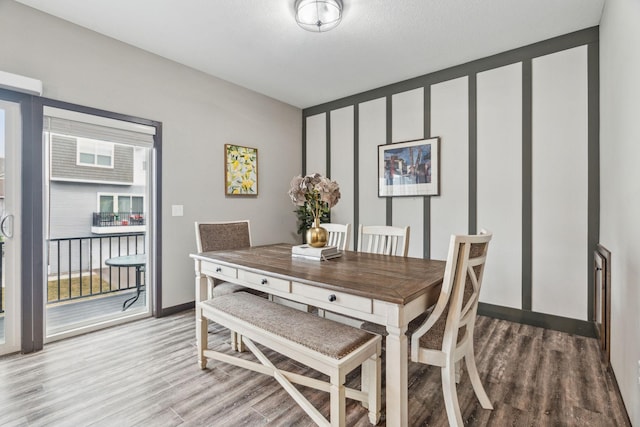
pixel 382 289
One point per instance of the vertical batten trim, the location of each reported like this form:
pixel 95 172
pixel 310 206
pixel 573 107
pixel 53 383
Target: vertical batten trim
pixel 426 208
pixel 527 202
pixel 304 146
pixel 473 152
pixel 356 172
pixel 593 167
pixel 389 141
pixel 327 138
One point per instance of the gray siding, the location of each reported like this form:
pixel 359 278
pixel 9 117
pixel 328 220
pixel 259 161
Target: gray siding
pixel 71 206
pixel 63 163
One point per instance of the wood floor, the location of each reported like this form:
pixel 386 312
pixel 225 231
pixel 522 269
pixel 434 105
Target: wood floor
pixel 146 374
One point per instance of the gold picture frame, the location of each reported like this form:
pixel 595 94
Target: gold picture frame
pixel 240 170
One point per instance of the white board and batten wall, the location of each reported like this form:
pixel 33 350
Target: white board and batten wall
pixel 559 259
pixel 559 187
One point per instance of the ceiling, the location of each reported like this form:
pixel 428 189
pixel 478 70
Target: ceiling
pixel 257 43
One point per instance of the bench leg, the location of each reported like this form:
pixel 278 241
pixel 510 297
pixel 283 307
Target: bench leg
pixel 337 394
pixel 236 342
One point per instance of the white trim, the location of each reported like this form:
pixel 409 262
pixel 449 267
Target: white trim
pixel 98 120
pixel 93 181
pixel 20 83
pixel 119 229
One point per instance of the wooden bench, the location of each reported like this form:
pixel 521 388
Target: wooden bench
pixel 324 345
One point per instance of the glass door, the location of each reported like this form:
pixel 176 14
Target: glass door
pixel 10 146
pixel 97 224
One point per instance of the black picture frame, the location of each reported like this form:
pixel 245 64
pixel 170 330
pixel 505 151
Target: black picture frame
pixel 410 168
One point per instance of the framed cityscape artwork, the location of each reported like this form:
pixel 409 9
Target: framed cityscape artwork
pixel 409 168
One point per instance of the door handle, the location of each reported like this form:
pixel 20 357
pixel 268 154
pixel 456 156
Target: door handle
pixel 6 226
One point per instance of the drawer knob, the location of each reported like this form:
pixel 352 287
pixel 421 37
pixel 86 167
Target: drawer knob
pixel 263 281
pixel 218 269
pixel 332 298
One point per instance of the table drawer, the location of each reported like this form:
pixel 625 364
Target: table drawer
pixel 342 299
pixel 216 270
pixel 268 282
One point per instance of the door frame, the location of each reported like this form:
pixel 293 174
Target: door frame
pixel 32 252
pixel 11 247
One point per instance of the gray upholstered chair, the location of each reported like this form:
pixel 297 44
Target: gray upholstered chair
pixel 446 336
pixel 383 239
pixel 339 235
pixel 223 235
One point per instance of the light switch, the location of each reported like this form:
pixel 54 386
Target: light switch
pixel 177 210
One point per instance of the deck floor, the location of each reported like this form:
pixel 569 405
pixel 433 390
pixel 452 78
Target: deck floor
pixel 62 316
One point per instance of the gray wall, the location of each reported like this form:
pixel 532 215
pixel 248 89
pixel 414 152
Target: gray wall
pixel 620 201
pixel 199 115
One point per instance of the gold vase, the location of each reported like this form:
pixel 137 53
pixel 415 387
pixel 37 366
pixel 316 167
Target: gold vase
pixel 317 236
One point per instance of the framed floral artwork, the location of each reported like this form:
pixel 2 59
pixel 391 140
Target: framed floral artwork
pixel 240 170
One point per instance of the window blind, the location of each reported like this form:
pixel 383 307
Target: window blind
pixel 82 125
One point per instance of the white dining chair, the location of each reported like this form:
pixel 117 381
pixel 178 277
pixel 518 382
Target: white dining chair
pixel 339 235
pixel 383 239
pixel 446 336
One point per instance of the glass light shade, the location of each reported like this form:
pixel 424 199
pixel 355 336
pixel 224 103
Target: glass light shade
pixel 318 15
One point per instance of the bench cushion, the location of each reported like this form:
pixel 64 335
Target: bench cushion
pixel 324 336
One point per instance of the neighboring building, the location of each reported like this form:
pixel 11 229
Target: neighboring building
pixel 96 188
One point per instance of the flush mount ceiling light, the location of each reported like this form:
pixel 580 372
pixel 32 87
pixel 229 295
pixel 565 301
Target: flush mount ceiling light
pixel 318 15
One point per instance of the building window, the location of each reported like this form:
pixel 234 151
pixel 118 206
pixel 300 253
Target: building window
pixel 95 153
pixel 121 203
pixel 119 210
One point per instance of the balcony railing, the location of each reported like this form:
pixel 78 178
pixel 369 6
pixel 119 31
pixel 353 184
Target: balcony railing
pixel 118 219
pixel 77 268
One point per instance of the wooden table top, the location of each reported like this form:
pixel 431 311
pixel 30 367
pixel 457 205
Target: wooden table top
pixel 393 279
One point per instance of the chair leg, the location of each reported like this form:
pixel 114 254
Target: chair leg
pixel 202 337
pixel 370 384
pixel 481 394
pixel 458 371
pixel 451 395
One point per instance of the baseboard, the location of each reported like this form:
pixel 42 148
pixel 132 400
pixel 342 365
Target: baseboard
pixel 549 321
pixel 166 311
pixel 619 394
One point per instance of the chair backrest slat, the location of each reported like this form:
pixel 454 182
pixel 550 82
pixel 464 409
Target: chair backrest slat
pixel 339 235
pixel 383 239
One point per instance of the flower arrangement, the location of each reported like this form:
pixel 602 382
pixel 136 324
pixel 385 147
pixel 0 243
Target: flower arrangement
pixel 314 195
